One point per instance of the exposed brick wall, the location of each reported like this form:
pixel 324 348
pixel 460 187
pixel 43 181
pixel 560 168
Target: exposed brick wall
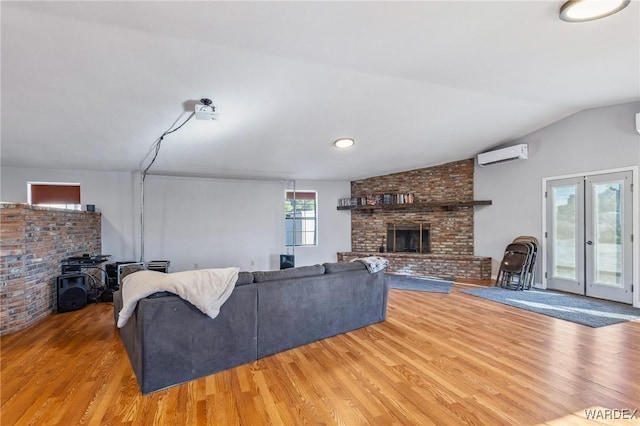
pixel 451 231
pixel 33 241
pixel 451 181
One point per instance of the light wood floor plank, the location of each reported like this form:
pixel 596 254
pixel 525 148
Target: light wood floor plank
pixel 439 359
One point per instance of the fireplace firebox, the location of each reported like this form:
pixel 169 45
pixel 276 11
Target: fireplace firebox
pixel 408 237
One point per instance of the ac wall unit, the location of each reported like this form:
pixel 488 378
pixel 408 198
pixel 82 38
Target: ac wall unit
pixel 510 153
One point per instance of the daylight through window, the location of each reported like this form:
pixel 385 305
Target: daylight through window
pixel 300 218
pixel 55 195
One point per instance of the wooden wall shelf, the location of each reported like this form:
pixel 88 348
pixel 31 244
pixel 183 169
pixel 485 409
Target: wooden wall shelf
pixel 448 205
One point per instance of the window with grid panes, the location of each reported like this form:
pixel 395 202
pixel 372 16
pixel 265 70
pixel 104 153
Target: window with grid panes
pixel 301 218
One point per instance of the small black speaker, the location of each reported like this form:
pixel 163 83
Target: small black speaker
pixel 287 261
pixel 72 292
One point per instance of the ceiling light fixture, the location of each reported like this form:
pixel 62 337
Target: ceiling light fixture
pixel 588 10
pixel 344 143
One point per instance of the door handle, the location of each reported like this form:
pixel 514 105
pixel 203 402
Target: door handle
pixel 589 243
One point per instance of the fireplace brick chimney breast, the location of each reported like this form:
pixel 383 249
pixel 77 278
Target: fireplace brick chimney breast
pixel 451 230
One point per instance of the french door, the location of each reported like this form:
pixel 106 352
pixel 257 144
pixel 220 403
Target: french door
pixel 589 236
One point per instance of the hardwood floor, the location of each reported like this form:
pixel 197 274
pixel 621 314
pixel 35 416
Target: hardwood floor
pixel 438 360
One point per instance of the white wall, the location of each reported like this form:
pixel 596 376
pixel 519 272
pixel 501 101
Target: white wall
pixel 211 223
pixel 208 222
pixel 591 140
pixel 111 192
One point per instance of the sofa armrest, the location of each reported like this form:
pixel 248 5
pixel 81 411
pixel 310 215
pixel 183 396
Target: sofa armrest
pixel 169 341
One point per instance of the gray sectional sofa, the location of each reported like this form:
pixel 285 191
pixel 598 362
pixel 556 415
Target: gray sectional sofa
pixel 169 341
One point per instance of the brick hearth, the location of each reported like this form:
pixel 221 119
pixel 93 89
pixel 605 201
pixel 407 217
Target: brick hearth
pixel 433 265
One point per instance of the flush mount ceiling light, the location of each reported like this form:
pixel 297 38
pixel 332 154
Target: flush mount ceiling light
pixel 588 10
pixel 344 143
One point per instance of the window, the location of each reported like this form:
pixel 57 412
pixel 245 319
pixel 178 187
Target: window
pixel 300 209
pixel 56 195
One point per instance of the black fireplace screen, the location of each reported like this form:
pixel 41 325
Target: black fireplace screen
pixel 408 238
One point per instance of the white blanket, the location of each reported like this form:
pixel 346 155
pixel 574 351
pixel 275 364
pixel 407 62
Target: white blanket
pixel 206 289
pixel 373 263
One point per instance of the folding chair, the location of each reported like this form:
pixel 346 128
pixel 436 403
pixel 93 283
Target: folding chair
pixel 514 267
pixel 532 242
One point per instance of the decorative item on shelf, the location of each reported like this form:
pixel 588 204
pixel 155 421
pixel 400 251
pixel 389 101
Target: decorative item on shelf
pixel 374 199
pixel 348 201
pixel 408 198
pixel 410 204
pixel 371 200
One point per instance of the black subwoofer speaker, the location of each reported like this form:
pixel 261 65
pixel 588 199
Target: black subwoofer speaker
pixel 287 261
pixel 72 292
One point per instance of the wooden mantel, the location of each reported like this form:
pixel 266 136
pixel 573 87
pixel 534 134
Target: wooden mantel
pixel 427 205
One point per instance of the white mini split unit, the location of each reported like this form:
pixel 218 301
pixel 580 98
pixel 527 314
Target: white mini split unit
pixel 510 153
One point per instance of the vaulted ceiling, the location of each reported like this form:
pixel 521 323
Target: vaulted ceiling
pixel 92 85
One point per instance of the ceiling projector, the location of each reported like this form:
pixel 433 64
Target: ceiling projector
pixel 205 110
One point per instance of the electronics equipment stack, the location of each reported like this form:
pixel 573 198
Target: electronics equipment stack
pixel 159 265
pixel 75 287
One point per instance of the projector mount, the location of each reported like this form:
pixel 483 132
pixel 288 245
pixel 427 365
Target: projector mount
pixel 205 110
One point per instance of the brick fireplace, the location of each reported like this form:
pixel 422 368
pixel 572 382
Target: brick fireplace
pixel 407 237
pixel 432 236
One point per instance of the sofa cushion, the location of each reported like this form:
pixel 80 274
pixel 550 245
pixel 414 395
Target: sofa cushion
pixel 332 268
pixel 244 278
pixel 284 274
pixel 130 269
